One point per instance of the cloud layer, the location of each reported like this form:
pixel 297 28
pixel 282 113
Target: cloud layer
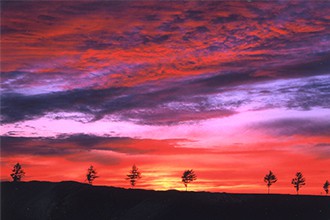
pixel 198 99
pixel 105 44
pixel 101 58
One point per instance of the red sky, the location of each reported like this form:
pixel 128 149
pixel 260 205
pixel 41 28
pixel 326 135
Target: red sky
pixel 229 89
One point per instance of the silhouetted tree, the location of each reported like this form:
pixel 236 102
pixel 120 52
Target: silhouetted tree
pixel 270 178
pixel 326 187
pixel 17 173
pixel 91 175
pixel 187 177
pixel 133 175
pixel 298 181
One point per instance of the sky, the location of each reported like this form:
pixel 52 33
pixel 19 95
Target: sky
pixel 228 89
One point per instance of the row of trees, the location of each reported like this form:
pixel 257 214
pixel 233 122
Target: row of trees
pixel 297 182
pixel 134 175
pixel 187 177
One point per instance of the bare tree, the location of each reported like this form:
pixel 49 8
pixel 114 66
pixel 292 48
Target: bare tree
pixel 298 181
pixel 326 187
pixel 17 173
pixel 133 175
pixel 188 176
pixel 270 178
pixel 91 175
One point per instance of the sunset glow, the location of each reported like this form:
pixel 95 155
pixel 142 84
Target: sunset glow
pixel 228 89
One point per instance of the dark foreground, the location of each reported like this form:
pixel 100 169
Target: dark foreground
pixel 72 200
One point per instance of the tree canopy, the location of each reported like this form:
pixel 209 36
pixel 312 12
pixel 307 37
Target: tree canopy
pixel 17 173
pixel 133 175
pixel 188 176
pixel 326 187
pixel 298 181
pixel 91 175
pixel 270 179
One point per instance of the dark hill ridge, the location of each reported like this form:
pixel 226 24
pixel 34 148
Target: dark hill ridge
pixel 72 200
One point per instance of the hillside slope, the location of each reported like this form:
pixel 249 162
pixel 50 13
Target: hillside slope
pixel 72 200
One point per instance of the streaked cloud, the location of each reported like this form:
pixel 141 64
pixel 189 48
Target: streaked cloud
pixel 296 126
pixel 196 99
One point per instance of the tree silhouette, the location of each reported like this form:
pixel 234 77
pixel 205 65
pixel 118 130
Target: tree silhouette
pixel 326 187
pixel 133 175
pixel 298 181
pixel 91 175
pixel 270 178
pixel 17 173
pixel 187 177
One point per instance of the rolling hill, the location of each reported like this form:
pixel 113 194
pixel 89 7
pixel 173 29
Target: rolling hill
pixel 72 200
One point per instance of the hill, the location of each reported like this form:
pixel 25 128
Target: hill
pixel 72 200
